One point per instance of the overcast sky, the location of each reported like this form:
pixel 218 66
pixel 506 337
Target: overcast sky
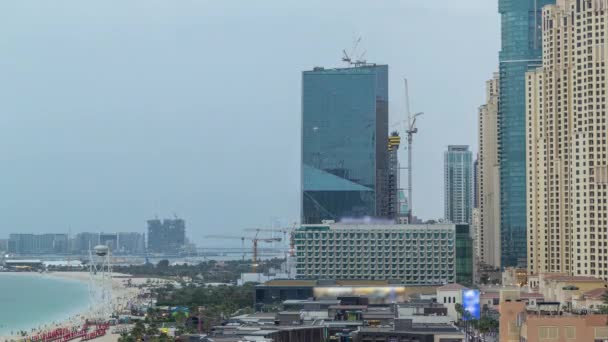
pixel 114 111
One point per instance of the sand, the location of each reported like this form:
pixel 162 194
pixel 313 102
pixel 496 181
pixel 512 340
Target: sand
pixel 122 297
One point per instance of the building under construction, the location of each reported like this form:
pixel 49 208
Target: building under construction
pixel 167 236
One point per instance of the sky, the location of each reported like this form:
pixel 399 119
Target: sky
pixel 113 112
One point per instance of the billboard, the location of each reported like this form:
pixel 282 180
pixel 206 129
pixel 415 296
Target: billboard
pixel 375 294
pixel 470 303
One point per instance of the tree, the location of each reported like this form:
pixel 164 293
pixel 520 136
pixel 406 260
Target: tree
pixel 163 264
pixel 459 310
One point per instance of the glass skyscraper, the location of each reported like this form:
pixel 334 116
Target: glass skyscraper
pixel 344 142
pixel 521 51
pixel 458 174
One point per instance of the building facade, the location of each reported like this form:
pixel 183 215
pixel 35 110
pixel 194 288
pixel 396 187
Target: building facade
pixel 520 52
pixel 38 244
pixel 413 254
pixel 489 177
pixel 567 163
pixel 344 142
pixel 166 236
pixel 458 189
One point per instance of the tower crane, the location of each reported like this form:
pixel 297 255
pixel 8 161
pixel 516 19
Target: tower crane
pixel 285 231
pixel 411 129
pixel 255 241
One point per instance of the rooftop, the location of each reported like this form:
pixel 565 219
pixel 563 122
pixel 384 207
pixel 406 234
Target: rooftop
pixel 595 294
pixel 451 287
pixel 567 278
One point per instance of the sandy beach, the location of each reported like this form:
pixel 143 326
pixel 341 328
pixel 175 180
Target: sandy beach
pixel 122 296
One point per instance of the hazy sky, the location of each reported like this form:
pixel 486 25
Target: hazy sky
pixel 114 111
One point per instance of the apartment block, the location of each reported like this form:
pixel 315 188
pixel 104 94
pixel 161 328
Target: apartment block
pixel 567 173
pixel 488 169
pixel 413 254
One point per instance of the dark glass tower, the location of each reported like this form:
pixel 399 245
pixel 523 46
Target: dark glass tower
pixel 521 51
pixel 344 142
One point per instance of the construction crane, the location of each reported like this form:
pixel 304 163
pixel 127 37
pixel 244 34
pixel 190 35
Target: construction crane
pixel 255 241
pixel 411 129
pixel 285 231
pixel 350 59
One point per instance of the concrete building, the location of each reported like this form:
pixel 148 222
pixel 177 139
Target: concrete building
pixel 412 254
pixel 458 184
pixel 38 244
pixel 563 288
pixel 83 242
pixel 167 236
pixel 489 177
pixel 520 52
pixel 344 142
pixel 476 234
pixel 566 143
pixel 450 295
pixel 518 324
pixel 130 243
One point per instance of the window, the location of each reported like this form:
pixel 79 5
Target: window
pixel 548 332
pixel 570 332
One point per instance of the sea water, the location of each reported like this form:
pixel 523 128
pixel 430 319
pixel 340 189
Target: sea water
pixel 30 300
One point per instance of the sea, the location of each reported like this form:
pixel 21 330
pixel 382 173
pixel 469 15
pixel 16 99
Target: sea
pixel 29 300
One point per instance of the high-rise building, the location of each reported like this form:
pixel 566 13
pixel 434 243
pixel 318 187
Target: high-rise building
pixel 489 177
pixel 130 243
pixel 520 52
pixel 476 182
pixel 344 142
pixel 566 145
pixel 413 254
pixel 458 178
pixel 84 242
pixel 168 236
pixel 38 243
pixel 391 208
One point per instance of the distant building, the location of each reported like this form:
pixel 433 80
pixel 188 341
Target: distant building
pixel 413 254
pixel 3 245
pixel 130 243
pixel 110 240
pixel 167 236
pixel 38 244
pixel 83 242
pixel 119 243
pixel 344 142
pixel 458 181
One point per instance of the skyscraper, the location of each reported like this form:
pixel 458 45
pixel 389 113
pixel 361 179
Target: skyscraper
pixel 520 52
pixel 566 145
pixel 489 177
pixel 344 142
pixel 458 177
pixel 168 236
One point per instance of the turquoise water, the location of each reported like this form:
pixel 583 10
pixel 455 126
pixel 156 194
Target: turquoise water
pixel 29 300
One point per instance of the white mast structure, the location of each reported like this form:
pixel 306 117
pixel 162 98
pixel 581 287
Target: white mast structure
pixel 100 282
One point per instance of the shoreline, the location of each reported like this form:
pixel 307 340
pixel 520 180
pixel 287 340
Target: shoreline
pixel 122 297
